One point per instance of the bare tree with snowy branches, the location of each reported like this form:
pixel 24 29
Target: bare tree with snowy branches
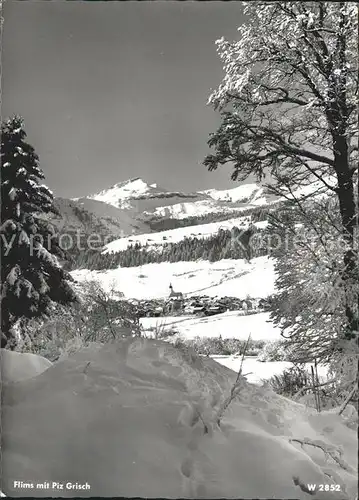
pixel 289 108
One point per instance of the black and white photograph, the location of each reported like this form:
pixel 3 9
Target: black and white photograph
pixel 179 249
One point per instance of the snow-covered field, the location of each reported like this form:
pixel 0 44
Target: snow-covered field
pixel 179 234
pixel 234 278
pixel 258 371
pixel 229 325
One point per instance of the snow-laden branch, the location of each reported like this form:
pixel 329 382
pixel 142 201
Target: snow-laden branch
pixel 331 451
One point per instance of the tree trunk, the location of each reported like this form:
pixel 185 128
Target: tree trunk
pixel 345 188
pixel 348 214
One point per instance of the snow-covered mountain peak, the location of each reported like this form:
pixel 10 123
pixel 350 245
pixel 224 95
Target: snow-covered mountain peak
pixel 119 194
pixel 149 198
pixel 138 195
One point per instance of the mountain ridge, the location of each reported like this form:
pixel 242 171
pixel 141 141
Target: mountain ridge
pixel 135 207
pixel 151 199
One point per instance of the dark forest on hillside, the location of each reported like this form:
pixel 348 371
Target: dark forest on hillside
pixel 226 244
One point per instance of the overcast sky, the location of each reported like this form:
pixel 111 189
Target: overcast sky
pixel 115 90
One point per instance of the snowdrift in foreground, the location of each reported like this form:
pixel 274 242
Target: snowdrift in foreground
pixel 16 366
pixel 137 418
pixel 234 278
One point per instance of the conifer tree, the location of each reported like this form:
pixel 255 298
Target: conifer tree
pixel 31 277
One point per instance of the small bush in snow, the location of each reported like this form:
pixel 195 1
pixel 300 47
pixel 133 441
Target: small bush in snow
pixel 212 346
pixel 189 353
pixel 275 350
pixel 161 331
pixel 290 381
pixel 99 317
pixel 344 369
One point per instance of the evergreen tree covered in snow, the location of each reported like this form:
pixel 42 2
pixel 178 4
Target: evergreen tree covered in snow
pixel 31 277
pixel 289 107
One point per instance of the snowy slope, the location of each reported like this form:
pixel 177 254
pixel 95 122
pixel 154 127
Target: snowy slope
pixel 236 199
pixel 250 194
pixel 88 216
pixel 259 371
pixel 195 209
pixel 231 325
pixel 233 278
pixel 179 234
pixel 316 189
pixel 120 194
pixel 254 194
pixel 138 419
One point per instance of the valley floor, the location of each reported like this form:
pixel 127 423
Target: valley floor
pixel 233 278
